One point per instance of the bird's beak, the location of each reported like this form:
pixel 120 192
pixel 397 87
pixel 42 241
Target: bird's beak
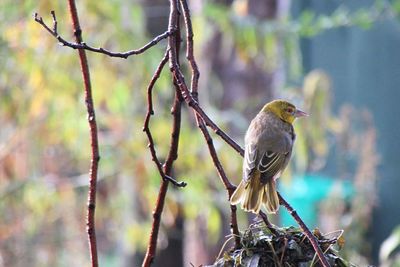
pixel 300 113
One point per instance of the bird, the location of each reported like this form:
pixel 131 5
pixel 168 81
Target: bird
pixel 268 147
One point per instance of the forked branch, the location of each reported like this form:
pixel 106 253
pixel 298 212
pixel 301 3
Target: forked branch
pixel 191 100
pixel 182 93
pixel 54 32
pixel 200 122
pixel 173 49
pixel 146 128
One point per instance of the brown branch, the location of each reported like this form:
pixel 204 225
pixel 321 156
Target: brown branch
pixel 171 31
pixel 192 101
pixel 182 93
pixel 264 217
pixel 151 249
pixel 200 123
pixel 90 220
pixel 228 185
pixel 81 45
pixel 146 128
pixel 210 143
pixel 303 226
pixel 194 85
pixel 173 49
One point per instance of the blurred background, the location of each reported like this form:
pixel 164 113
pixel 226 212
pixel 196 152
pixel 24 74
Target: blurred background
pixel 339 60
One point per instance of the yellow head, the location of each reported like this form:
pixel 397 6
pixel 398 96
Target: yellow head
pixel 284 110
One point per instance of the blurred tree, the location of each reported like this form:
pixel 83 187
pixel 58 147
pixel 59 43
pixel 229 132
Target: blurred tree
pixel 364 69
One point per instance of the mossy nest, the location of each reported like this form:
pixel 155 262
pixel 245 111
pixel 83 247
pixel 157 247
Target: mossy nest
pixel 287 247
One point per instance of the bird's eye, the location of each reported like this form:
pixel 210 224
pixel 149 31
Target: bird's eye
pixel 290 110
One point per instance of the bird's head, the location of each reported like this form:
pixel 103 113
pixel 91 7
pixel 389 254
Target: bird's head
pixel 284 110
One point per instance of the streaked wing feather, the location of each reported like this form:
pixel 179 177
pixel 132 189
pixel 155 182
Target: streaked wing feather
pixel 267 161
pixel 249 163
pixel 271 163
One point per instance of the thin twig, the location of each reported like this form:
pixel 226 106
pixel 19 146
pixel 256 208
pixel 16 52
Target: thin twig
pixel 180 79
pixel 173 49
pixel 82 45
pixel 90 220
pixel 305 229
pixel 200 123
pixel 228 185
pixel 268 224
pixel 146 128
pixel 193 103
pixel 283 249
pixel 194 85
pixel 189 96
pixel 152 246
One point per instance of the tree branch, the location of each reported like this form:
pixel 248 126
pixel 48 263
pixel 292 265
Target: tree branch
pixel 54 32
pixel 90 219
pixel 146 128
pixel 182 93
pixel 152 246
pixel 191 100
pixel 305 229
pixel 173 49
pixel 200 123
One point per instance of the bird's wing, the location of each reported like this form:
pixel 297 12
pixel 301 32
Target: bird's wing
pixel 249 163
pixel 271 163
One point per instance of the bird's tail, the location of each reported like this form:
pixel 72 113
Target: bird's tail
pixel 270 198
pixel 252 194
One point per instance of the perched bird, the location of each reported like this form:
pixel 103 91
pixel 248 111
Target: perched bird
pixel 268 147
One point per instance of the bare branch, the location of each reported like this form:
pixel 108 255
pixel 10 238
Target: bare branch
pixel 151 249
pixel 264 217
pixel 200 123
pixel 173 49
pixel 90 219
pixel 82 45
pixel 192 101
pixel 303 226
pixel 146 128
pixel 182 93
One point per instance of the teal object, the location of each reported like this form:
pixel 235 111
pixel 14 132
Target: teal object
pixel 305 192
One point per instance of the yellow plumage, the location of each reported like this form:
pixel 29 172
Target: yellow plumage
pixel 253 194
